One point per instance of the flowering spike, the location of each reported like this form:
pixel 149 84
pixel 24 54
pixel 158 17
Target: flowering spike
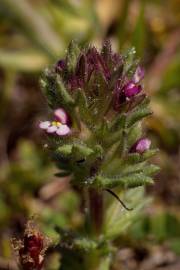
pixel 105 103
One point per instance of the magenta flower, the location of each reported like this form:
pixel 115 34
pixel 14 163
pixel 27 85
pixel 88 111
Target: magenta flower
pixel 59 125
pixel 127 88
pixel 141 146
pixel 131 89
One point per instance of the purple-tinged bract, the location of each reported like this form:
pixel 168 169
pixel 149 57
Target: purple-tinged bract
pixel 102 74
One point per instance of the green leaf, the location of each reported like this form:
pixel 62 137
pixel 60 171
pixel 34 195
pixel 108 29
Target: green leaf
pixel 137 115
pixel 81 151
pixel 127 169
pixel 113 138
pixel 65 150
pixel 117 219
pixel 63 95
pixel 151 169
pixel 133 158
pixel 149 154
pixel 134 133
pixel 118 123
pixel 55 91
pixel 48 87
pixel 81 103
pixel 74 151
pixel 98 150
pixel 129 181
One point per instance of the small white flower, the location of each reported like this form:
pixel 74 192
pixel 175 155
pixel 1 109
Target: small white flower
pixel 59 126
pixel 63 130
pixel 44 125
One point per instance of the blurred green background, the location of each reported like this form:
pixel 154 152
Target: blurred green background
pixel 33 35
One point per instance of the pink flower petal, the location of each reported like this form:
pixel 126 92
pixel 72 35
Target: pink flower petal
pixel 63 130
pixel 132 89
pixel 138 75
pixel 44 125
pixel 52 129
pixel 61 115
pixel 141 146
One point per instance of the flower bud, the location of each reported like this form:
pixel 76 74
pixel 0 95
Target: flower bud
pixel 131 89
pixel 60 65
pixel 141 146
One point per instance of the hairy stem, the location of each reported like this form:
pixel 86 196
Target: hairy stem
pixel 96 210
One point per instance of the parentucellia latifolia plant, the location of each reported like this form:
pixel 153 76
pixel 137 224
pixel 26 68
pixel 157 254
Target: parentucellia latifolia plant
pixel 95 137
